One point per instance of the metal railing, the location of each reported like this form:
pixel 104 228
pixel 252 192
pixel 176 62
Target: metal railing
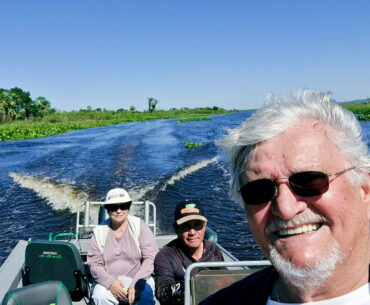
pixel 187 278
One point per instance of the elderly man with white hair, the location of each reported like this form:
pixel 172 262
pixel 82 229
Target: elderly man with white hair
pixel 121 255
pixel 301 169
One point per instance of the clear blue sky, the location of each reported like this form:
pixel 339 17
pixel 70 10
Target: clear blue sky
pixel 115 54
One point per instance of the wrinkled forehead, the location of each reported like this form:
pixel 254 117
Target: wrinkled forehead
pixel 304 146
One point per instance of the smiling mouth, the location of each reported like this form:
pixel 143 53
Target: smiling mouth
pixel 305 229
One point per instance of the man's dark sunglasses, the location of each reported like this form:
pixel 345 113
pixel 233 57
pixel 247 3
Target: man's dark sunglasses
pixel 115 207
pixel 187 226
pixel 305 184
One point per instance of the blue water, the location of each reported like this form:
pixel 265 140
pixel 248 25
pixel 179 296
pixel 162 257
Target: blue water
pixel 42 181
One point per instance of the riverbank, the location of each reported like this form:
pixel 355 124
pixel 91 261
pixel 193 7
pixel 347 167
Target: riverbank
pixel 61 122
pixel 362 109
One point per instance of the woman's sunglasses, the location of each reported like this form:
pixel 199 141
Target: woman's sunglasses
pixel 115 207
pixel 305 184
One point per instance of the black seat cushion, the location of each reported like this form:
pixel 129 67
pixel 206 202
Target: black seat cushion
pixel 45 293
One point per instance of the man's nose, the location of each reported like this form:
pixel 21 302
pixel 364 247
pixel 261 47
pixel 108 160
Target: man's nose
pixel 192 231
pixel 285 204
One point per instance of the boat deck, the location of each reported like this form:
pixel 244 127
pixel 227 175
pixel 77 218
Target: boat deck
pixel 12 271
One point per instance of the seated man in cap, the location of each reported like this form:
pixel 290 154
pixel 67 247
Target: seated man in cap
pixel 121 255
pixel 189 247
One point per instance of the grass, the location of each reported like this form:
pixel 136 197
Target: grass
pixel 61 122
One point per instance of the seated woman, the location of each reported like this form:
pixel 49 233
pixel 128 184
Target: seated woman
pixel 121 255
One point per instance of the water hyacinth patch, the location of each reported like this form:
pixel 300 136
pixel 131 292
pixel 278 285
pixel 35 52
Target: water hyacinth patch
pixel 192 144
pixel 190 119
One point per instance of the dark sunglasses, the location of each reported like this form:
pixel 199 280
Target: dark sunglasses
pixel 187 226
pixel 305 184
pixel 115 207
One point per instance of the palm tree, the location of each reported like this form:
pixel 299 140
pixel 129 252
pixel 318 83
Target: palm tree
pixel 152 102
pixel 8 107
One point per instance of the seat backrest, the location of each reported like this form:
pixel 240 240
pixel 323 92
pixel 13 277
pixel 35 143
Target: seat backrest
pixel 56 261
pixel 207 282
pixel 45 293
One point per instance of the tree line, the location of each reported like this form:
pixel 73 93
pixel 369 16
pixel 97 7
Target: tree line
pixel 16 104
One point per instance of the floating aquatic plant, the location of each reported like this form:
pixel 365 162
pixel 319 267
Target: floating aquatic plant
pixel 192 144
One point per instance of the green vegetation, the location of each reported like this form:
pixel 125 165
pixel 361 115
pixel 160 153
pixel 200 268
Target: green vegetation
pixel 190 119
pixel 60 122
pixel 360 108
pixel 16 104
pixel 364 117
pixel 192 144
pixel 23 118
pixel 152 103
pixel 29 130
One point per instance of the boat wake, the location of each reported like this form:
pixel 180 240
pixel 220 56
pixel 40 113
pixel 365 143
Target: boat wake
pixel 59 195
pixel 140 193
pixel 188 170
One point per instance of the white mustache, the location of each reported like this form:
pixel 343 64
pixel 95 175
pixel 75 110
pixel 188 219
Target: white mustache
pixel 299 220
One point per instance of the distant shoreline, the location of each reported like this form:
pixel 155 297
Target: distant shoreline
pixel 362 109
pixel 62 122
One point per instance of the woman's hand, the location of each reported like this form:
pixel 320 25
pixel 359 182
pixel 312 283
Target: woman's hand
pixel 118 290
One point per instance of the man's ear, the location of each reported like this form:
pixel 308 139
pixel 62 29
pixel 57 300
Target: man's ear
pixel 365 188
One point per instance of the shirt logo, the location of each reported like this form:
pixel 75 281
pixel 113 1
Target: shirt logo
pixel 176 289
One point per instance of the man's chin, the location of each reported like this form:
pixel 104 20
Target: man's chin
pixel 309 275
pixel 193 246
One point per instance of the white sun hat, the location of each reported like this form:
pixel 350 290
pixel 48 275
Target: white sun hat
pixel 116 196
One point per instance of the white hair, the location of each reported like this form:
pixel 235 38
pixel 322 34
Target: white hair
pixel 278 114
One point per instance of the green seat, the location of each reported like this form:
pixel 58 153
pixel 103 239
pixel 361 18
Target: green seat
pixel 207 282
pixel 56 261
pixel 45 293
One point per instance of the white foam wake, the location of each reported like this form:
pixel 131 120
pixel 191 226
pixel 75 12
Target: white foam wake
pixel 188 170
pixel 139 193
pixel 59 196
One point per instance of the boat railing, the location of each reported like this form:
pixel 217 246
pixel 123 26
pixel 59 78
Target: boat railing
pixel 150 215
pixel 211 283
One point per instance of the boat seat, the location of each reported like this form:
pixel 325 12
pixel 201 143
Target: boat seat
pixel 207 282
pixel 56 261
pixel 45 293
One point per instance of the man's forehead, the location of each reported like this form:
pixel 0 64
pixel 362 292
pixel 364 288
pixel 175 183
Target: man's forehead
pixel 301 147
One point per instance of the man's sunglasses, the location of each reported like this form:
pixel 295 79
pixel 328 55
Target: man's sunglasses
pixel 115 207
pixel 305 184
pixel 187 226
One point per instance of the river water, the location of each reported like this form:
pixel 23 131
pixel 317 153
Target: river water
pixel 42 181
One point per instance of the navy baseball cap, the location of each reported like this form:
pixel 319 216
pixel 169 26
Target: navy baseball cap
pixel 188 210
